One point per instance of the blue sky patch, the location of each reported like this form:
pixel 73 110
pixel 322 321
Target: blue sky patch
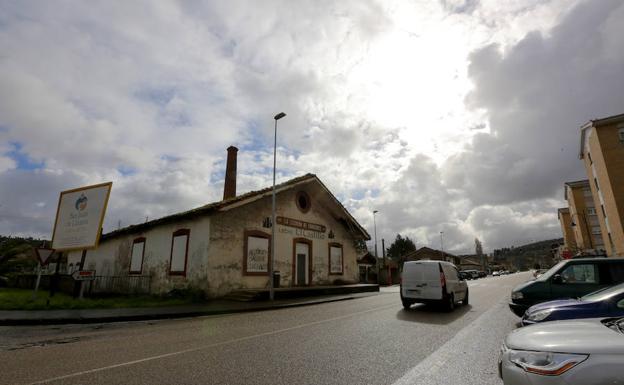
pixel 126 170
pixel 170 158
pixel 24 162
pixel 160 96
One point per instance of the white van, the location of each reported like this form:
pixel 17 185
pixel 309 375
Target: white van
pixel 432 282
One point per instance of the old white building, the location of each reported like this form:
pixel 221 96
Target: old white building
pixel 225 246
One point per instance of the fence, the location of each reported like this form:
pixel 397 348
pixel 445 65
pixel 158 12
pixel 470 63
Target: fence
pixel 119 284
pixel 103 284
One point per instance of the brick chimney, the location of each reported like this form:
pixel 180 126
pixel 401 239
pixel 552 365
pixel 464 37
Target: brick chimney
pixel 229 188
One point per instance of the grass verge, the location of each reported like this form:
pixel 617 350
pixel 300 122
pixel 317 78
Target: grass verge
pixel 21 299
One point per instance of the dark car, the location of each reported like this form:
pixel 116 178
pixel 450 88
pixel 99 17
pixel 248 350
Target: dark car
pixel 482 274
pixel 572 278
pixel 607 302
pixel 463 275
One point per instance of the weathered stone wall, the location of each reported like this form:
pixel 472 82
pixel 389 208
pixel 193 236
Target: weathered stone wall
pixel 216 247
pixel 227 243
pixel 112 257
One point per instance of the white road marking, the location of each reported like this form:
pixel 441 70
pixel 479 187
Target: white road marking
pixel 152 358
pixel 430 366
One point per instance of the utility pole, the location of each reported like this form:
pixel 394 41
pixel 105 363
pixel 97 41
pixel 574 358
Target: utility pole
pixel 442 244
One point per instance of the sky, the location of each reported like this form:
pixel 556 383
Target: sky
pixel 453 116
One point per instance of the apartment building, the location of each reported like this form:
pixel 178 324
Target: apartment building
pixel 565 220
pixel 602 152
pixel 583 218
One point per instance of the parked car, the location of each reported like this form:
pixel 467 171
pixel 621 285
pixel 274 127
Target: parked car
pixel 495 273
pixel 571 278
pixel 607 302
pixel 474 274
pixel 464 275
pixel 587 352
pixel 435 282
pixel 482 274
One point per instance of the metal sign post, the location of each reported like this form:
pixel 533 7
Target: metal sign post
pixel 43 254
pixel 34 294
pixel 83 275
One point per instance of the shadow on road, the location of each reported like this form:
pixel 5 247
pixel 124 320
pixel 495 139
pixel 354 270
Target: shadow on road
pixel 431 314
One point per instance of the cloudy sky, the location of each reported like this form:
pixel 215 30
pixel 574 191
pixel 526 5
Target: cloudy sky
pixel 451 115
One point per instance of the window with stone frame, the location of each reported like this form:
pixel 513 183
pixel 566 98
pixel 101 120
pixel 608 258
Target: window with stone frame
pixel 136 256
pixel 257 252
pixel 179 252
pixel 336 259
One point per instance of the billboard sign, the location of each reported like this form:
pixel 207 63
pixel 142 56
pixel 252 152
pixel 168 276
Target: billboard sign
pixel 79 217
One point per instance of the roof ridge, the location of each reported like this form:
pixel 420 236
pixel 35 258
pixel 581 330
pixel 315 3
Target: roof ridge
pixel 209 206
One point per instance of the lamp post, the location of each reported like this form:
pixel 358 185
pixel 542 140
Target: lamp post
pixel 375 231
pixel 442 244
pixel 271 289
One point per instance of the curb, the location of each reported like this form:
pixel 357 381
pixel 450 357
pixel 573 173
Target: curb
pixel 172 315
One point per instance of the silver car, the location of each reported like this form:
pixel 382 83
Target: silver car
pixel 587 352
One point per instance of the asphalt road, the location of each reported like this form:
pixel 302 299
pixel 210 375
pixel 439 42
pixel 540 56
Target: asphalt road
pixel 368 340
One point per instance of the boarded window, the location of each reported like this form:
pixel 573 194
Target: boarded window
pixel 136 258
pixel 257 252
pixel 335 258
pixel 179 252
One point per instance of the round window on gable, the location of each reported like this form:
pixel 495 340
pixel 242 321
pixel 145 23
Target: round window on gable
pixel 303 201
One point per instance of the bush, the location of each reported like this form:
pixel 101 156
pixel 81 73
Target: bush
pixel 17 266
pixel 196 295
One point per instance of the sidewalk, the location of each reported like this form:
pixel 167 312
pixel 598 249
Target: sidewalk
pixel 39 317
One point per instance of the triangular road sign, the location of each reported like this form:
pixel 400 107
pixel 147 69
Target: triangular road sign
pixel 43 254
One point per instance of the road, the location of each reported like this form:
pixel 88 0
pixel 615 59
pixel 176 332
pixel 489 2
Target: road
pixel 369 340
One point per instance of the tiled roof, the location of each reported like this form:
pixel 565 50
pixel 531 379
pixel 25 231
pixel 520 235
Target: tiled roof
pixel 216 206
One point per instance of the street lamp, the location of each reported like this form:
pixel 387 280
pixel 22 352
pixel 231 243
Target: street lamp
pixel 375 229
pixel 442 244
pixel 271 289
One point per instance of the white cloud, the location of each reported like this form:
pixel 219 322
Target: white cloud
pixel 149 95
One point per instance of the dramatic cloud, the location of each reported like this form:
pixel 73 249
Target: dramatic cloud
pixel 454 116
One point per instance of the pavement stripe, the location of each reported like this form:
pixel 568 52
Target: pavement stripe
pixel 152 358
pixel 426 371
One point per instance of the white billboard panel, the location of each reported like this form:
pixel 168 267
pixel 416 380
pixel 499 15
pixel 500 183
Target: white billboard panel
pixel 79 217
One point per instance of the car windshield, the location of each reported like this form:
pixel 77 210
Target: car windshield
pixel 549 273
pixel 604 293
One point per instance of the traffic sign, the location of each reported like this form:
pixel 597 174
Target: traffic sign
pixel 84 275
pixel 43 253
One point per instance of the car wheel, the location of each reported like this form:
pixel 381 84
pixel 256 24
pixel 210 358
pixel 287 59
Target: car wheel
pixel 450 303
pixel 465 300
pixel 406 304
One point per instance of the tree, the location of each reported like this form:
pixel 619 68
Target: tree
pixel 400 247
